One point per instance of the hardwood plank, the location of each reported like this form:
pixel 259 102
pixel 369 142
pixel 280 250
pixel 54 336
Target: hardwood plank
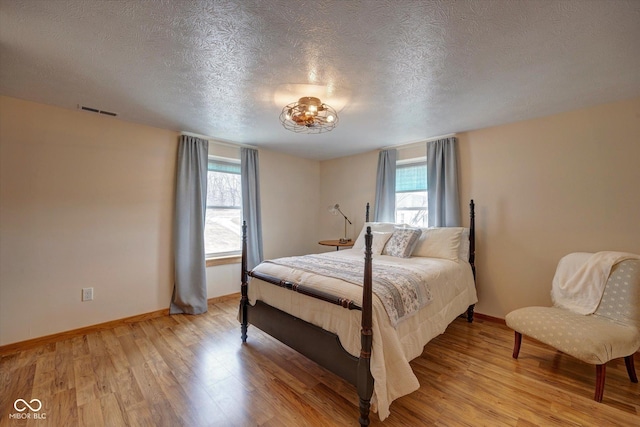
pixel 61 409
pixel 86 390
pixel 140 416
pixel 19 386
pixel 65 377
pixel 111 411
pixel 90 414
pixel 161 411
pixel 114 349
pixel 128 393
pixel 131 350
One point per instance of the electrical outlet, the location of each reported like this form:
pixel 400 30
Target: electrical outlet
pixel 87 294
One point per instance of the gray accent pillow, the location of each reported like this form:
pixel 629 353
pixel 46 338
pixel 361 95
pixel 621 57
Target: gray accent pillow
pixel 402 242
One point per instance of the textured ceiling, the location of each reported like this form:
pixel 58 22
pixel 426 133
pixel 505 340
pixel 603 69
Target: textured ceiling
pixel 398 71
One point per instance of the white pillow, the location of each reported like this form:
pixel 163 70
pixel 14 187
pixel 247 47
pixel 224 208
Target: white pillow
pixel 463 251
pixel 380 239
pixel 443 242
pixel 385 227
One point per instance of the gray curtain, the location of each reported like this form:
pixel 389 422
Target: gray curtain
pixel 251 205
pixel 190 282
pixel 442 183
pixel 385 204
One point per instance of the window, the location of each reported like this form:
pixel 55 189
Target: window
pixel 223 230
pixel 411 192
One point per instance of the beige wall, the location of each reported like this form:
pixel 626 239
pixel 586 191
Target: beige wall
pixel 543 188
pixel 350 182
pixel 289 188
pixel 87 201
pixel 547 187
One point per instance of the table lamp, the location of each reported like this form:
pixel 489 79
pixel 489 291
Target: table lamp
pixel 335 209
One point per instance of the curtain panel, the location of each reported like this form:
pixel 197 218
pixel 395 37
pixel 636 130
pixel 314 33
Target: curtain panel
pixel 249 172
pixel 442 183
pixel 385 203
pixel 190 282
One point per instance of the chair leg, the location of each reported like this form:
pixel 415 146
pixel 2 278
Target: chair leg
pixel 631 370
pixel 516 345
pixel 600 374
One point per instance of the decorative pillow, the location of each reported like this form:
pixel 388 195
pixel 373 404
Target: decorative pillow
pixel 385 227
pixel 441 242
pixel 402 242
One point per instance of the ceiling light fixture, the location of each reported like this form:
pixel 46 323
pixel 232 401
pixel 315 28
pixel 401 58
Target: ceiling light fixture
pixel 308 115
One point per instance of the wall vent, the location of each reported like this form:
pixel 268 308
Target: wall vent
pixel 95 110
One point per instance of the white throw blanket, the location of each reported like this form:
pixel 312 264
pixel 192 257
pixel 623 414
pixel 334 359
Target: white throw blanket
pixel 580 279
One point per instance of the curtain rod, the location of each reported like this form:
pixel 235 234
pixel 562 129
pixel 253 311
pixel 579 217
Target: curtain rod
pixel 433 138
pixel 217 141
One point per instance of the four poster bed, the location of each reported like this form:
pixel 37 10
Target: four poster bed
pixel 365 320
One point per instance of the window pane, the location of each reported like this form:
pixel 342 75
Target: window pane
pixel 224 189
pixel 223 230
pixel 411 208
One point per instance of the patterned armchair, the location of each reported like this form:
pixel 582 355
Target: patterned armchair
pixel 612 331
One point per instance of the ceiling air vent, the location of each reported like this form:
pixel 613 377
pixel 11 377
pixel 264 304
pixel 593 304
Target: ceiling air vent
pixel 95 110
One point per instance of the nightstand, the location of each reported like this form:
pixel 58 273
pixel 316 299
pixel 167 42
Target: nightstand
pixel 337 243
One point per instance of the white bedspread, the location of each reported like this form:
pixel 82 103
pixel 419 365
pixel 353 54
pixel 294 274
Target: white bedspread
pixel 580 279
pixel 453 291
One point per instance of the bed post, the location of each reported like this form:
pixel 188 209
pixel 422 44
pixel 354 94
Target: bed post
pixel 472 252
pixel 366 217
pixel 365 379
pixel 244 299
pixel 472 237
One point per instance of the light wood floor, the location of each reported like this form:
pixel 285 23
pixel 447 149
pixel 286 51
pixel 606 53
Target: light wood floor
pixel 194 371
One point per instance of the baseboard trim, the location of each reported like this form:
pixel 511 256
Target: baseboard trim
pixel 488 318
pixel 48 339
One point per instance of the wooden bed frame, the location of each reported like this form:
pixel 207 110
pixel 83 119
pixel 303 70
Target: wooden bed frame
pixel 315 343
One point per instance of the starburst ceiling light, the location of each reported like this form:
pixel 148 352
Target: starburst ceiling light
pixel 308 115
